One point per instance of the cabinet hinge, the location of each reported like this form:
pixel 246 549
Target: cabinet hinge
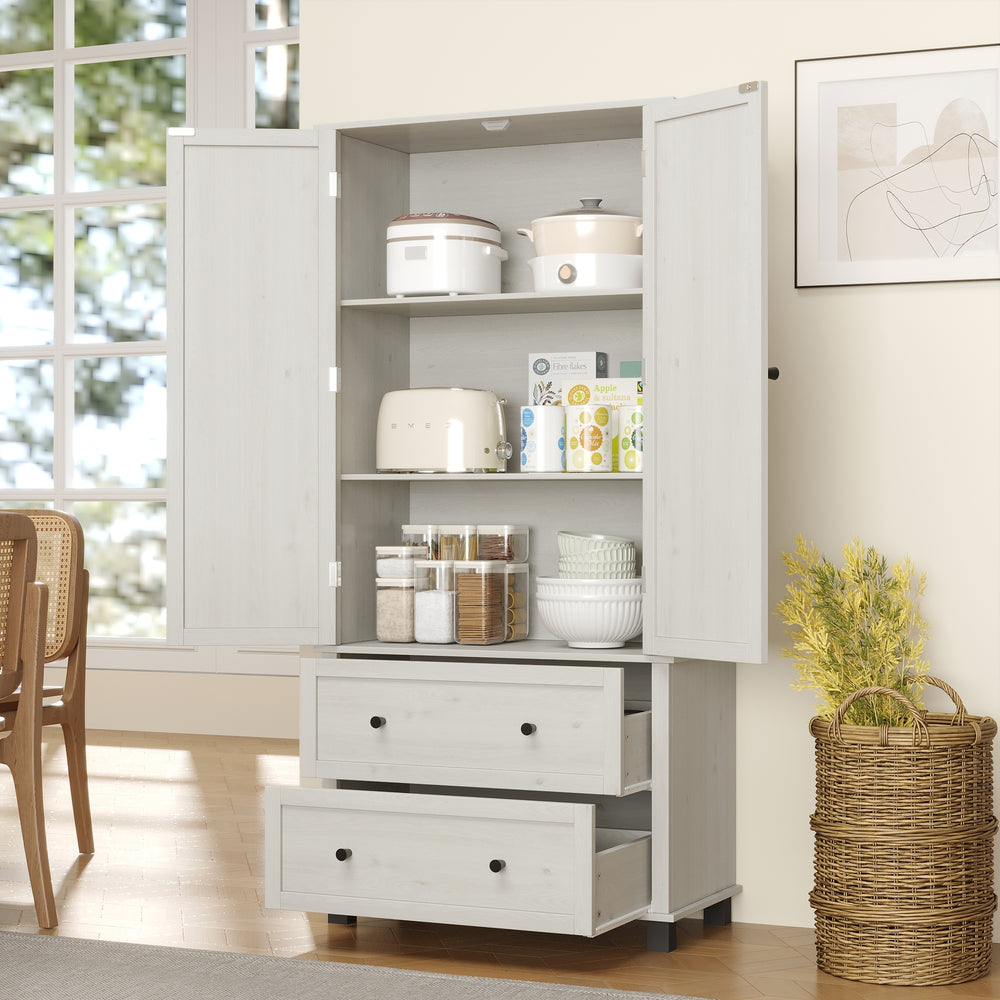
pixel 642 163
pixel 334 184
pixel 335 574
pixel 334 379
pixel 749 88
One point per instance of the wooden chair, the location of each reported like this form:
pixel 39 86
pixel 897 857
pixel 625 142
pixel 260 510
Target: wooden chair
pixel 60 567
pixel 23 607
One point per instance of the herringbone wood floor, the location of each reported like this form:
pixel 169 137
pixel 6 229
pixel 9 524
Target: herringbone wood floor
pixel 179 830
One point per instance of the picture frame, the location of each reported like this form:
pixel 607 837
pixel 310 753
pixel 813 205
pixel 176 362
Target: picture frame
pixel 896 169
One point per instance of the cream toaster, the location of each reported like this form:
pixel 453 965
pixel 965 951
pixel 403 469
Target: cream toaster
pixel 441 430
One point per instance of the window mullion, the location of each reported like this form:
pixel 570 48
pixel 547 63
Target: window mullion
pixel 64 419
pixel 62 256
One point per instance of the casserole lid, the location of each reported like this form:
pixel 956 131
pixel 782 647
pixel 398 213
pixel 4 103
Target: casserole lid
pixel 590 208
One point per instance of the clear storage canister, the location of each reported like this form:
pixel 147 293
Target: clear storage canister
pixel 434 601
pixel 394 562
pixel 423 534
pixel 394 610
pixel 503 541
pixel 480 602
pixel 517 602
pixel 458 541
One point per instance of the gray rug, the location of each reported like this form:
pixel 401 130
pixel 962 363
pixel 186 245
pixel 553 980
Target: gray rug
pixel 33 967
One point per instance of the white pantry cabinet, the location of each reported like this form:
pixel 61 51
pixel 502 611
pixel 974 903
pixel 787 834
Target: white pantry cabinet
pixel 619 763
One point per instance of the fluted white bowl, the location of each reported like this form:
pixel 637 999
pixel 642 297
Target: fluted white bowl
pixel 578 543
pixel 592 622
pixel 583 567
pixel 557 586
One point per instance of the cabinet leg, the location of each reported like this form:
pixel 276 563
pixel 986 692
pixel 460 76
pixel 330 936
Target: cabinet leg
pixel 660 937
pixel 719 914
pixel 340 918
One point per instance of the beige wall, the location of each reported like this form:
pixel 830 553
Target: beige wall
pixel 885 421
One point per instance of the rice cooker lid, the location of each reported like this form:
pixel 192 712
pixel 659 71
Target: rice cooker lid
pixel 424 218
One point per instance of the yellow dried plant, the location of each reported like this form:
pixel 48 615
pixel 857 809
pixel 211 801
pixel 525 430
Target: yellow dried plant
pixel 853 627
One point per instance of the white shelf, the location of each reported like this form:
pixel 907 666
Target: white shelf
pixel 525 649
pixel 493 477
pixel 493 305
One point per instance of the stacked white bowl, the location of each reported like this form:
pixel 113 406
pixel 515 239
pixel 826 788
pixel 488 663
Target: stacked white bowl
pixel 596 601
pixel 595 557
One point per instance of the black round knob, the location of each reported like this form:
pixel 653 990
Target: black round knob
pixel 528 728
pixel 376 722
pixel 496 865
pixel 343 853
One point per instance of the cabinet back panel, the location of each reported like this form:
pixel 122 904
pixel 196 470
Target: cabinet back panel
pixel 510 187
pixel 491 352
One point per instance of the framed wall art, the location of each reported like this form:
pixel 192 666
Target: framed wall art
pixel 896 167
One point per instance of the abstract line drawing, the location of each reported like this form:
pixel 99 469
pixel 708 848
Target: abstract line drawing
pixel 937 199
pixel 897 169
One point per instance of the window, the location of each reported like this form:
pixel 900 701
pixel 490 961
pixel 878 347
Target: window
pixel 88 89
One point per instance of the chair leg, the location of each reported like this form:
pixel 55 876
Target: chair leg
pixel 75 737
pixel 27 775
pixel 22 753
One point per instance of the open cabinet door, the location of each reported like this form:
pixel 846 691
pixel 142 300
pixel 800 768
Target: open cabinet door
pixel 705 342
pixel 251 345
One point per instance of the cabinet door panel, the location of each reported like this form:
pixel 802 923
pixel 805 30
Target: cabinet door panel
pixel 704 507
pixel 250 235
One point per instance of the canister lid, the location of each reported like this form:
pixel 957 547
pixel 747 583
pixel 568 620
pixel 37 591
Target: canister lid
pixel 480 566
pixel 402 551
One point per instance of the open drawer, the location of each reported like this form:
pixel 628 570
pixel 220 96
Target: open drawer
pixel 452 859
pixel 520 726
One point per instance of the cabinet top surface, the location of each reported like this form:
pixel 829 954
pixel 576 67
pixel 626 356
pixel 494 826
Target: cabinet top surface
pixel 485 131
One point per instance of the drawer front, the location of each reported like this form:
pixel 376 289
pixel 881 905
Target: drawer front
pixel 453 859
pixel 489 726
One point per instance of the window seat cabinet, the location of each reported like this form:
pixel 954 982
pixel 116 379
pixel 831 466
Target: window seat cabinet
pixel 600 781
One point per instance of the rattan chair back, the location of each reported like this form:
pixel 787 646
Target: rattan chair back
pixel 60 566
pixel 17 570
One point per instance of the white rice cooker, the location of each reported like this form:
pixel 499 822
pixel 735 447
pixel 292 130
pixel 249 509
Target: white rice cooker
pixel 586 248
pixel 439 253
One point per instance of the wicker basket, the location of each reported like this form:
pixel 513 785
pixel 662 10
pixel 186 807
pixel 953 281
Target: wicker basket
pixel 904 832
